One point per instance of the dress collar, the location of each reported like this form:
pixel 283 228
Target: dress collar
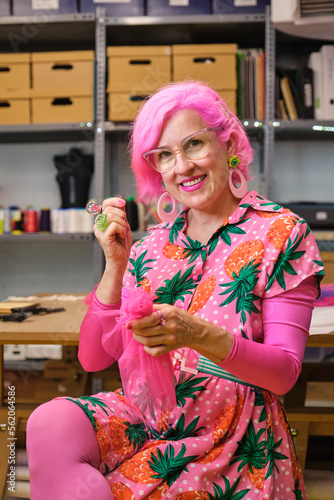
pixel 252 200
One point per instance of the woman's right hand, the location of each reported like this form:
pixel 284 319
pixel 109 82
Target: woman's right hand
pixel 116 239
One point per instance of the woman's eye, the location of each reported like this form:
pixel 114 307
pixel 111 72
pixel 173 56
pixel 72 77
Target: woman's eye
pixel 193 144
pixel 165 155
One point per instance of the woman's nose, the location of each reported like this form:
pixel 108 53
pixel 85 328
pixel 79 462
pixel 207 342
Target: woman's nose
pixel 182 163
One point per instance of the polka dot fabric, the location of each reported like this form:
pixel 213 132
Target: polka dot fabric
pixel 223 439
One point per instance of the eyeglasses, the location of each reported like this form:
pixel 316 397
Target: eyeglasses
pixel 194 147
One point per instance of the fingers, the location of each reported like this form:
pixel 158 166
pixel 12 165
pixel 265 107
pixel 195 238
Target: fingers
pixel 151 321
pixel 113 202
pixel 114 208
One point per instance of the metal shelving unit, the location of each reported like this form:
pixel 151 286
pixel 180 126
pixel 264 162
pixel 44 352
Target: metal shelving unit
pixel 49 132
pixel 40 33
pixel 88 31
pixel 33 237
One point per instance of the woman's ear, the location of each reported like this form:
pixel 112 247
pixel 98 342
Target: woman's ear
pixel 230 145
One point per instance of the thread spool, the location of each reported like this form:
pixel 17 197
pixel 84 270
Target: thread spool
pixel 58 223
pixel 87 222
pixel 7 221
pixel 16 222
pixel 131 210
pixel 2 215
pixel 31 221
pixel 44 222
pixel 73 221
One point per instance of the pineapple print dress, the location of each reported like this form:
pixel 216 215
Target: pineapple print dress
pixel 225 439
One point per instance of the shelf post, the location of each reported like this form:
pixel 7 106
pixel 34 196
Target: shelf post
pixel 99 158
pixel 266 181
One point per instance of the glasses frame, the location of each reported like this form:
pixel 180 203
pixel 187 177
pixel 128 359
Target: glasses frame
pixel 156 150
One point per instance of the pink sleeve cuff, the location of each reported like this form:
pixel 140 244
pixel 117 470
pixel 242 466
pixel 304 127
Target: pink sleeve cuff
pixel 101 305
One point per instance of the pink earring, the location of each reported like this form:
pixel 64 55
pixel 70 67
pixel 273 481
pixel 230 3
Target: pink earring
pixel 167 216
pixel 238 192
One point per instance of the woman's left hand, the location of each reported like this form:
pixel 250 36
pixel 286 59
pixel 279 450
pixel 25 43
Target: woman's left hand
pixel 178 329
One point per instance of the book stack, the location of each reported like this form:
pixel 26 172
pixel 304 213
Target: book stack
pixel 294 93
pixel 251 84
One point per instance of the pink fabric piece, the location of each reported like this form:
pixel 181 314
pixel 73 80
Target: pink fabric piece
pixel 63 464
pixel 138 369
pixel 286 320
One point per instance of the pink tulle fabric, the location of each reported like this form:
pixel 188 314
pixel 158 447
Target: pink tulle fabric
pixel 147 381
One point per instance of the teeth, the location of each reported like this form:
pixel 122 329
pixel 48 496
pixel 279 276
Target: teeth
pixel 193 182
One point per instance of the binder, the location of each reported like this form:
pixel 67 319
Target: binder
pixel 305 84
pixel 327 84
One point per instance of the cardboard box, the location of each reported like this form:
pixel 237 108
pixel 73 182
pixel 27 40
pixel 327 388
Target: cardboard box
pixel 214 64
pixel 114 8
pixel 15 107
pixel 62 106
pixel 239 6
pixel 14 71
pixel 177 7
pixel 5 8
pixel 123 107
pixel 229 96
pixel 139 70
pixel 43 7
pixel 59 70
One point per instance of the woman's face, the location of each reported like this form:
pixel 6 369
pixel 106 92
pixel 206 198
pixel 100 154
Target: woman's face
pixel 208 176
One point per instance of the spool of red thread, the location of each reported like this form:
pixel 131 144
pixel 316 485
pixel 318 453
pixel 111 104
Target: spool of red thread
pixel 31 221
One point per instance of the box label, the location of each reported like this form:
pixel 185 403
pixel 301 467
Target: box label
pixel 179 3
pixel 45 4
pixel 112 1
pixel 245 3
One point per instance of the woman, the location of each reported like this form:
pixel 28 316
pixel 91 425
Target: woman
pixel 233 277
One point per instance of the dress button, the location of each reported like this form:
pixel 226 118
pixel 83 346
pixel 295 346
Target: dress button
pixel 195 277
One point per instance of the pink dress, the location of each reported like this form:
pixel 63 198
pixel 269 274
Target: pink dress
pixel 225 437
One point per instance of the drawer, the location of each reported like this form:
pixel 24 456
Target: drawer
pixel 43 7
pixel 124 106
pixel 114 8
pixel 14 71
pixel 14 108
pixel 62 107
pixel 140 70
pixel 239 6
pixel 177 7
pixel 56 70
pixel 214 64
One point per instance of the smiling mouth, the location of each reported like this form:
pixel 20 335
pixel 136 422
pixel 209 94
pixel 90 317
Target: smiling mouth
pixel 193 182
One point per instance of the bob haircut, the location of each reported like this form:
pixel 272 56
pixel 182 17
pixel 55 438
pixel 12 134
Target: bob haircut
pixel 161 106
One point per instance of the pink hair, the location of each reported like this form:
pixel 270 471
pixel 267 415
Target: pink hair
pixel 158 108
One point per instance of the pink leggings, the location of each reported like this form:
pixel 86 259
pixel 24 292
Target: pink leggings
pixel 64 454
